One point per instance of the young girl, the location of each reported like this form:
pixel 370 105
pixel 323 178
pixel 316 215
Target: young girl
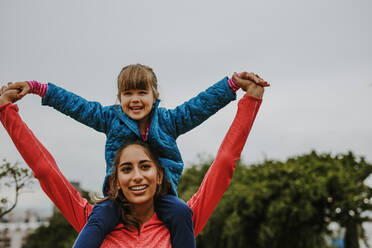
pixel 139 117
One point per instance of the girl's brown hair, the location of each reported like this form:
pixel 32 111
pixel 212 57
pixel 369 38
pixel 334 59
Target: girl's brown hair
pixel 117 195
pixel 137 76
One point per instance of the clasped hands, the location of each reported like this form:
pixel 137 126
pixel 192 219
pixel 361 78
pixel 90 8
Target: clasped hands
pixel 251 83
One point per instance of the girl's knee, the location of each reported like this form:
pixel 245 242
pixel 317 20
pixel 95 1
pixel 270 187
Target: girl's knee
pixel 183 209
pixel 106 206
pixel 106 214
pixel 180 210
pixel 172 207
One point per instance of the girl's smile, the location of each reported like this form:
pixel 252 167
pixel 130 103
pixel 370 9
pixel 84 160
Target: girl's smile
pixel 137 104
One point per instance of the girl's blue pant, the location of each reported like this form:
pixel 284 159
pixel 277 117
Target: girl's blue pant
pixel 174 213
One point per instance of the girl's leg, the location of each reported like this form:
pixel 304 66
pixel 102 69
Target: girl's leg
pixel 102 220
pixel 177 216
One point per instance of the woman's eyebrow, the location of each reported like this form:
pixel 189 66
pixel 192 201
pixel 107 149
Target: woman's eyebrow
pixel 144 161
pixel 130 163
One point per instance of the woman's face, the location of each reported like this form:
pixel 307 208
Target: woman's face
pixel 138 175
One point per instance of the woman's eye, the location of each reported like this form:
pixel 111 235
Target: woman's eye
pixel 145 166
pixel 126 169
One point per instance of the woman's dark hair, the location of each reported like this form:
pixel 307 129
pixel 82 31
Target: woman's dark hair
pixel 117 195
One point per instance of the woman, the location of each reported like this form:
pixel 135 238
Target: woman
pixel 136 177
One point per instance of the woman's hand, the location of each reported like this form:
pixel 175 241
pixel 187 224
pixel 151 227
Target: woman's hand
pixel 22 87
pixel 251 83
pixel 8 95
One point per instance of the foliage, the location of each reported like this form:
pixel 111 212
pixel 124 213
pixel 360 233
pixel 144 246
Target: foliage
pixel 13 178
pixel 58 234
pixel 271 204
pixel 289 203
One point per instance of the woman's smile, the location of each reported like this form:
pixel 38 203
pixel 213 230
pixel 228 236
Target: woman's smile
pixel 138 176
pixel 138 189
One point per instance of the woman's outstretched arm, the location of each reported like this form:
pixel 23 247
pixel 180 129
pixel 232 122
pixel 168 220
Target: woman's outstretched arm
pixel 219 175
pixel 73 207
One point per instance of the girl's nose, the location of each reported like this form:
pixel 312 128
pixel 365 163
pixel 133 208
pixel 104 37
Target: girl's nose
pixel 134 98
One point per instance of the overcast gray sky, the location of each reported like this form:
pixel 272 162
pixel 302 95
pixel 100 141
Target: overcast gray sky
pixel 316 54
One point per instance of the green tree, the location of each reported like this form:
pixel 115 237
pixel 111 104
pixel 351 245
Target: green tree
pixel 58 233
pixel 13 178
pixel 289 203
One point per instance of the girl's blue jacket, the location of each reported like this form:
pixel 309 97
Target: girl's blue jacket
pixel 166 124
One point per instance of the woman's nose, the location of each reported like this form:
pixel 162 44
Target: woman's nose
pixel 137 176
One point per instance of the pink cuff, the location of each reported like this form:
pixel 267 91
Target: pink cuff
pixel 37 88
pixel 233 85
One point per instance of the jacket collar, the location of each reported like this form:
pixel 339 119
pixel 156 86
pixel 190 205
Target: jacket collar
pixel 132 124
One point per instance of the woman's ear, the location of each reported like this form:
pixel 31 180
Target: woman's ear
pixel 160 177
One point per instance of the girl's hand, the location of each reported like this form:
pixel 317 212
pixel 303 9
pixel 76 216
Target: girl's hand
pixel 244 79
pixel 251 83
pixel 7 95
pixel 22 87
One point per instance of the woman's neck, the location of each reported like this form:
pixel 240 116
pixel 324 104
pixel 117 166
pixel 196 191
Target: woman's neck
pixel 143 212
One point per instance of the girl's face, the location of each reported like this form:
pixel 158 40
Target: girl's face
pixel 137 104
pixel 138 175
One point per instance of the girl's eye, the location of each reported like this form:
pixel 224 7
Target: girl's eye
pixel 127 93
pixel 143 92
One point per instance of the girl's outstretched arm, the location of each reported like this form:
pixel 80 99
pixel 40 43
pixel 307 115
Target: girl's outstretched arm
pixel 89 113
pixel 198 109
pixel 219 175
pixel 73 207
pixel 192 113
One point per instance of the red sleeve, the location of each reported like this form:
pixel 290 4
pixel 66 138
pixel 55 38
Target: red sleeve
pixel 219 175
pixel 73 207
